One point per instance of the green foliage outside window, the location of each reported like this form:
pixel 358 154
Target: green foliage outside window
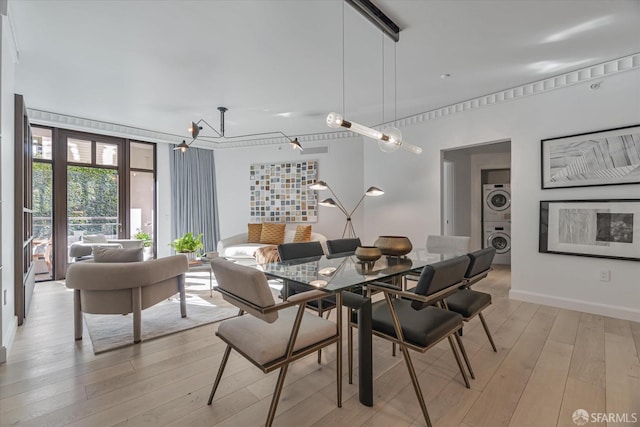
pixel 92 199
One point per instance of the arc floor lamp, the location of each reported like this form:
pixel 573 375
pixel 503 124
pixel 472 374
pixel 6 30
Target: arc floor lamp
pixel 334 202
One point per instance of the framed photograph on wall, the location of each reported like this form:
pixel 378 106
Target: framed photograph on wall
pixel 595 228
pixel 606 157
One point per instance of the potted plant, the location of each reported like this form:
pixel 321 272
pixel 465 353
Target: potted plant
pixel 146 243
pixel 141 235
pixel 188 244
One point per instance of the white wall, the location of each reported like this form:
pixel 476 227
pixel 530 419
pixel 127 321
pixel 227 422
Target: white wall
pixel 412 202
pixel 7 77
pixel 341 168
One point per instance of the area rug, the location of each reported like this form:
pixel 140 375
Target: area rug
pixel 112 331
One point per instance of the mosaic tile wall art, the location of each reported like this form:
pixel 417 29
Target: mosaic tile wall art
pixel 280 192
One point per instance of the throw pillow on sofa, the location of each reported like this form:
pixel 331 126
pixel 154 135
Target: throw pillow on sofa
pixel 272 233
pixel 303 233
pixel 117 255
pixel 253 233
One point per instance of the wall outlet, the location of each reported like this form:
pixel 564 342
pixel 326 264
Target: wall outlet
pixel 605 275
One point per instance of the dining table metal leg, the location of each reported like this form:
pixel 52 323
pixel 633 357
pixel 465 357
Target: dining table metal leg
pixel 365 349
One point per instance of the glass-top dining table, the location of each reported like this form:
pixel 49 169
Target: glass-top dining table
pixel 345 276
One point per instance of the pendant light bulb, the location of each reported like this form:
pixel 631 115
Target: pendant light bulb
pixel 391 141
pixel 334 120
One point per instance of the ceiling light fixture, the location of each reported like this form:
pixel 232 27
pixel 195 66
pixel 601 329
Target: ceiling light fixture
pixel 369 10
pixel 390 138
pixel 195 129
pixel 183 146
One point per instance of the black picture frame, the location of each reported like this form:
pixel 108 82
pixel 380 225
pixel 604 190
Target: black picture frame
pixel 605 157
pixel 592 228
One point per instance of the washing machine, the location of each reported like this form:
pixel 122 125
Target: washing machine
pixel 498 235
pixel 496 205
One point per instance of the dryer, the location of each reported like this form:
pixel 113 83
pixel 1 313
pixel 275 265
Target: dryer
pixel 498 235
pixel 496 202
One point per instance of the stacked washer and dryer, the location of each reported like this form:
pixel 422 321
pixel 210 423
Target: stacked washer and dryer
pixel 496 220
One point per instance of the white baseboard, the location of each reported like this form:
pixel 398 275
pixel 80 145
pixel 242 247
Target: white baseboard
pixel 8 340
pixel 577 305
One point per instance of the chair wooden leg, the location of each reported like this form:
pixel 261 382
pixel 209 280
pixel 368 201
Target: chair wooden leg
pixel 457 356
pixel 320 351
pixel 339 350
pixel 136 294
pixel 350 345
pixel 223 363
pixel 416 384
pixel 464 356
pixel 77 314
pixel 183 296
pixel 276 396
pixel 486 329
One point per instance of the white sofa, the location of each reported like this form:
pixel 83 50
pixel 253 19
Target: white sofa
pixel 237 247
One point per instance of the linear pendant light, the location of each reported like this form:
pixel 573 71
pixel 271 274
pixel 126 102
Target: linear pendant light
pixel 389 139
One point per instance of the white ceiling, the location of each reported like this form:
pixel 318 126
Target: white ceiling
pixel 278 64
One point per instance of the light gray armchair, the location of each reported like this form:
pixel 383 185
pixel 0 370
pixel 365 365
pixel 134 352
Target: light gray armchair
pixel 125 287
pixel 270 335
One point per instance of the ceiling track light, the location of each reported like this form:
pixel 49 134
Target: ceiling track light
pixel 196 128
pixel 370 11
pixel 389 139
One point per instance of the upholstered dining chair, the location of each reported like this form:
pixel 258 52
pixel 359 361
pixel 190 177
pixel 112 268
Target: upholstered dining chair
pixel 342 247
pixel 437 244
pixel 297 250
pixel 300 250
pixel 470 303
pixel 415 322
pixel 270 335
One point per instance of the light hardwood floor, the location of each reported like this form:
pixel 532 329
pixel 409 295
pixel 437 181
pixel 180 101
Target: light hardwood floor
pixel 549 363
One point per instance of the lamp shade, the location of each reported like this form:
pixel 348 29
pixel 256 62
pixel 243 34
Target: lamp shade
pixel 195 130
pixel 374 191
pixel 328 203
pixel 182 146
pixel 319 185
pixel 296 144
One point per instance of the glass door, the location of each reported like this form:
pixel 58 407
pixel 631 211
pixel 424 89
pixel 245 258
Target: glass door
pixel 89 184
pixel 94 188
pixel 42 203
pixel 142 182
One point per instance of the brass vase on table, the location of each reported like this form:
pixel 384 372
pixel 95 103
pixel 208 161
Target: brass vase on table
pixel 368 255
pixel 394 245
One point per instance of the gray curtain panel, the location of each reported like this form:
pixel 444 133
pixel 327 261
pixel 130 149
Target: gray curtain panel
pixel 193 195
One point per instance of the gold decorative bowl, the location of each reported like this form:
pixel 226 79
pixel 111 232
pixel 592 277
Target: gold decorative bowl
pixel 394 245
pixel 368 253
